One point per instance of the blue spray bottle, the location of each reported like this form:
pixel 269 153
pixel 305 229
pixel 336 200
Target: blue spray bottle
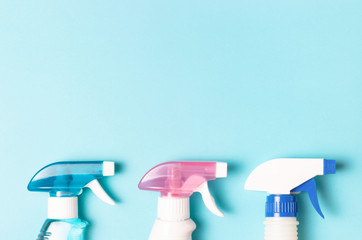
pixel 281 179
pixel 65 181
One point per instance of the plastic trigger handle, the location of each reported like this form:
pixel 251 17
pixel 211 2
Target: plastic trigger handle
pixel 208 199
pixel 310 187
pixel 99 192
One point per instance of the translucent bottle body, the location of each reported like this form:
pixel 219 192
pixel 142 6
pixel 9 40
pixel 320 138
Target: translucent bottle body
pixel 63 229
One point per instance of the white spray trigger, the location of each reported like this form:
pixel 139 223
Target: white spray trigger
pixel 208 199
pixel 99 192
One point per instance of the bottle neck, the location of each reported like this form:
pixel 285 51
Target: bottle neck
pixel 173 209
pixel 62 207
pixel 281 228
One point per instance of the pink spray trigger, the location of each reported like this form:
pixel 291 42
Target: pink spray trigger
pixel 181 179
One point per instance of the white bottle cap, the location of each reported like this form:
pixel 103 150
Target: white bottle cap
pixel 173 209
pixel 62 207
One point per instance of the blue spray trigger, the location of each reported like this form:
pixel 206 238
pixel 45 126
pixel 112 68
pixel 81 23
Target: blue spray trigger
pixel 310 187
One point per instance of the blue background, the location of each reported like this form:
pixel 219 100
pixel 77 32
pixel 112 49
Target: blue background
pixel 144 82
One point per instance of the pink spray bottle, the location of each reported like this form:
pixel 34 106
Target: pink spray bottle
pixel 177 181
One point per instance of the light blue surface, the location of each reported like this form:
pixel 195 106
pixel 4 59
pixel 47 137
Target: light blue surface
pixel 144 82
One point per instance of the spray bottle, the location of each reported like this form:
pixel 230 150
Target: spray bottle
pixel 65 181
pixel 282 178
pixel 177 181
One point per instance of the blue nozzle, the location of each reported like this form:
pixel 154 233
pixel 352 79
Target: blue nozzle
pixel 329 166
pixel 66 179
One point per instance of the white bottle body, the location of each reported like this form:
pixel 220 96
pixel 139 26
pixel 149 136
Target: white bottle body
pixel 281 228
pixel 172 230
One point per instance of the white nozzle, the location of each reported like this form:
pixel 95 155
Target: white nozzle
pixel 108 168
pixel 221 169
pixel 208 199
pixel 99 192
pixel 280 176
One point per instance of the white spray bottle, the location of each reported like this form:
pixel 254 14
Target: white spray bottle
pixel 177 181
pixel 281 178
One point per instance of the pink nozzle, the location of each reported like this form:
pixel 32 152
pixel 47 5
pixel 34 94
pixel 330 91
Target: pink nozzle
pixel 180 179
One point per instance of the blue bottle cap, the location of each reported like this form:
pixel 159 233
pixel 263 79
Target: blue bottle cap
pixel 281 206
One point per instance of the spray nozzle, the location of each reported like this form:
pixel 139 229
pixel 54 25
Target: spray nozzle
pixel 182 179
pixel 285 176
pixel 67 179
